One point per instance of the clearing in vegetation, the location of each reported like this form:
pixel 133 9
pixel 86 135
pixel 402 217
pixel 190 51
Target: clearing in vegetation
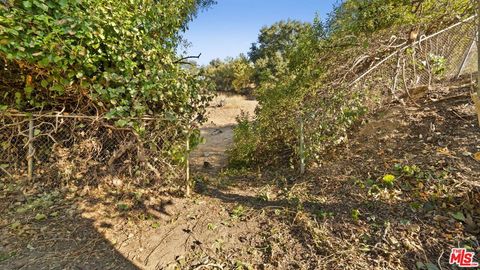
pixel 211 156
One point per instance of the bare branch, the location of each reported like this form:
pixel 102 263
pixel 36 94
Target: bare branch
pixel 181 60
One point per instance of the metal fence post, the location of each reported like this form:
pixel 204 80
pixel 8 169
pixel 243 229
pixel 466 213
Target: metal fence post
pixel 187 165
pixel 465 59
pixel 30 150
pixel 301 144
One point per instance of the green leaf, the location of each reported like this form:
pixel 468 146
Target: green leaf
pixel 121 123
pixel 16 225
pixel 28 90
pixel 63 3
pixel 41 5
pixel 420 266
pixel 27 4
pixel 388 179
pixel 57 88
pixel 426 266
pixel 122 207
pixel 18 98
pixel 458 216
pixel 21 210
pixel 44 62
pixel 39 217
pixel 431 266
pixel 44 83
pixel 355 214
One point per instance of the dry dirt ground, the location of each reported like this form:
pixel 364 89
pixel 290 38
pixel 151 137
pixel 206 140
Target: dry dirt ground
pixel 340 215
pixel 218 131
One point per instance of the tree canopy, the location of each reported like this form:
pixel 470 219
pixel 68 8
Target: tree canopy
pixel 231 74
pixel 269 52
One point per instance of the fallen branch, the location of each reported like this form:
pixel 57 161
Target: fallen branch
pixel 451 97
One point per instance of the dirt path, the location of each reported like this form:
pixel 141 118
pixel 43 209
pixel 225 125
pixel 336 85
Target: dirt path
pixel 218 131
pixel 144 231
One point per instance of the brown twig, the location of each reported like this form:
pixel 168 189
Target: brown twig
pixel 186 58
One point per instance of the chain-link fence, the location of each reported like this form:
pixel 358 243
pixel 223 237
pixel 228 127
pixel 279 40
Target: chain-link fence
pixel 441 56
pixel 55 148
pixel 404 74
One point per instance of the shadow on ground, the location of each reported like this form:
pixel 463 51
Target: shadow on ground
pixel 53 235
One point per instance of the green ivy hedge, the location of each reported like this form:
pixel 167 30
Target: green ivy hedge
pixel 107 57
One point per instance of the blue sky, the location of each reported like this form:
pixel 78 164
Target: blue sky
pixel 231 26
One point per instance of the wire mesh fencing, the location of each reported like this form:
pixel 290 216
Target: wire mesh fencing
pixel 404 74
pixel 59 148
pixel 442 56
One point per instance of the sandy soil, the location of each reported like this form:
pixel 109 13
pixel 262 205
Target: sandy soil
pixel 218 131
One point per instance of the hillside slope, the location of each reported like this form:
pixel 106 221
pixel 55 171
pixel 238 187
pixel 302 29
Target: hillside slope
pixel 431 147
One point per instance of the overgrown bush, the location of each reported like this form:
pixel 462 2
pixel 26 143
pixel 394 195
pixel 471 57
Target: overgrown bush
pixel 106 58
pixel 98 57
pixel 308 76
pixel 243 154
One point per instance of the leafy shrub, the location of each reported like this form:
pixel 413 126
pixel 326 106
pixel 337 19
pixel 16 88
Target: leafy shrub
pixel 287 94
pixel 438 65
pixel 98 57
pixel 242 154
